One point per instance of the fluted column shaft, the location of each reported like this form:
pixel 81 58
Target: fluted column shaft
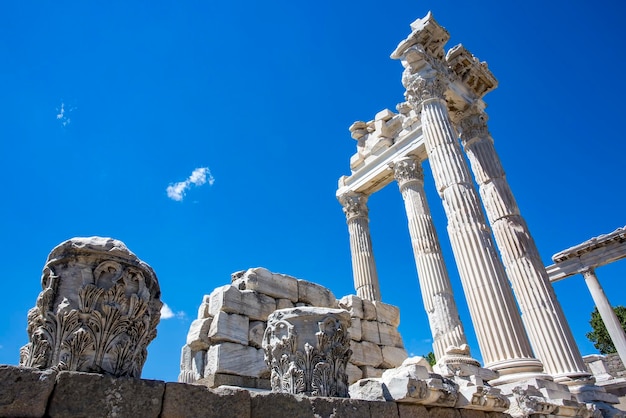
pixel 542 315
pixel 504 345
pixel 610 319
pixel 363 265
pixel 437 296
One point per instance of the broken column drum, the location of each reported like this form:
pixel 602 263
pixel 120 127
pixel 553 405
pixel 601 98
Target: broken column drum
pixel 97 312
pixel 307 350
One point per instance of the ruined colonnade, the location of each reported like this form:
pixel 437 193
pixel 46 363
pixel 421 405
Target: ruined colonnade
pixel 443 120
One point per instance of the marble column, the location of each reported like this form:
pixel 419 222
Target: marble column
pixel 549 333
pixel 611 321
pixel 443 317
pixel 503 343
pixel 363 265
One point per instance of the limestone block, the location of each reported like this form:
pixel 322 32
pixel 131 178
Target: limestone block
pixel 315 295
pixel 93 395
pixel 371 372
pixel 181 401
pixel 263 281
pixel 414 384
pixel 186 356
pixel 284 304
pixel 257 306
pixel 24 391
pixel 408 410
pixel 369 332
pixel 387 314
pixel 354 373
pixel 273 404
pixel 229 299
pixel 352 304
pixel 365 353
pixel 225 299
pixel 203 310
pixel 219 379
pixel 338 407
pixel 355 329
pixel 198 335
pixel 369 389
pixel 197 364
pixel 389 335
pixel 231 358
pixel 237 275
pixel 383 409
pixel 255 333
pixel 393 356
pixel 229 328
pixel 369 310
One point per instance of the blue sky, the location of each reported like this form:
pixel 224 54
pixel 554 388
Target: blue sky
pixel 107 106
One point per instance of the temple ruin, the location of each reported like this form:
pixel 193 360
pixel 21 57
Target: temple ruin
pixel 268 343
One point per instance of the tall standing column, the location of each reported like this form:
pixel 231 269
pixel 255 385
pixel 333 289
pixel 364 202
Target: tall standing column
pixel 503 343
pixel 611 321
pixel 548 330
pixel 363 265
pixel 443 317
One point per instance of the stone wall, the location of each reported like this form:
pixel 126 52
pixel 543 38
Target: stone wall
pixel 224 343
pixel 26 392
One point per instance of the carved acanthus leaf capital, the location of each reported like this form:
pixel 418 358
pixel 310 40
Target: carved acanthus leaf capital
pixel 420 89
pixel 473 124
pixel 354 204
pixel 407 169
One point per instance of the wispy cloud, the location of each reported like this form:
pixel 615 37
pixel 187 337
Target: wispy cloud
pixel 63 113
pixel 198 177
pixel 168 313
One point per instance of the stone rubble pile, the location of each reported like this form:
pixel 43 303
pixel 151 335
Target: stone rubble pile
pixel 224 344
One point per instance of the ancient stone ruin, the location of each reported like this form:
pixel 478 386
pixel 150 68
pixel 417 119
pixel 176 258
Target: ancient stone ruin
pixel 295 348
pixel 224 344
pixel 97 311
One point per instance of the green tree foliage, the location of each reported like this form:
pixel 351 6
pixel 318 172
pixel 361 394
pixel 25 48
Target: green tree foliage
pixel 430 357
pixel 599 336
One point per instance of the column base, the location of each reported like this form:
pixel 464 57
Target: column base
pixel 510 371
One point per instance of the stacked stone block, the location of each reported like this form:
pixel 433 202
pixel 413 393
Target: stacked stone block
pixel 224 343
pixel 376 343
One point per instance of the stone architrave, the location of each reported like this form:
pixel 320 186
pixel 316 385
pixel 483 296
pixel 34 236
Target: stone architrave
pixel 307 350
pixel 443 316
pixel 504 345
pixel 550 335
pixel 97 312
pixel 363 265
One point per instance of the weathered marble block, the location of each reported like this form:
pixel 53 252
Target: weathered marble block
pixel 307 351
pixel 97 312
pixel 369 332
pixel 229 328
pixel 315 295
pixel 365 353
pixel 231 358
pixel 352 304
pixel 276 285
pixel 387 314
pixel 198 335
pixel 230 299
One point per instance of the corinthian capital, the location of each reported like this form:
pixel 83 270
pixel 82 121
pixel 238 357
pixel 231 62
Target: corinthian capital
pixel 473 124
pixel 407 169
pixel 354 204
pixel 420 89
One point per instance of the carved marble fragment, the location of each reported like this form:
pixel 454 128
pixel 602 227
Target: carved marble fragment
pixel 97 312
pixel 307 350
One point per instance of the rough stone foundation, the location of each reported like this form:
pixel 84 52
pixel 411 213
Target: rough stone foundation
pixel 26 392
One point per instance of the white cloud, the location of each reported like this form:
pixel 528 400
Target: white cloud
pixel 198 177
pixel 168 313
pixel 63 114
